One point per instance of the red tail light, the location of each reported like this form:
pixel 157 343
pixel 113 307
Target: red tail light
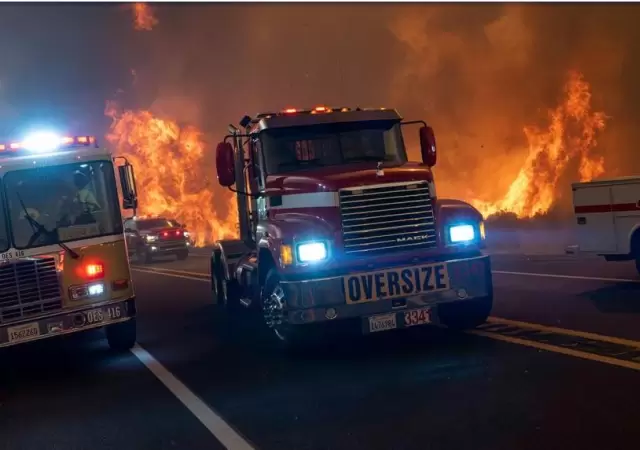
pixel 93 271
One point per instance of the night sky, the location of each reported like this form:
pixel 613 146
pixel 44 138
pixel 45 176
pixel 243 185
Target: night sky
pixel 478 73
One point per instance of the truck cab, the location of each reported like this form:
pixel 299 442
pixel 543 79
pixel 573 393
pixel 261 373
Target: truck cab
pixel 337 224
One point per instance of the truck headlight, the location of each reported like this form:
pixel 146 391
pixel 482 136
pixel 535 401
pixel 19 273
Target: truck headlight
pixel 312 252
pixel 459 234
pixel 150 238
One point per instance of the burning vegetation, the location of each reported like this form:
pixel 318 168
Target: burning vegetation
pixel 570 136
pixel 173 177
pixel 143 17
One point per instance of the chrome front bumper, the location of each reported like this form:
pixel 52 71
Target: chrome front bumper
pixel 309 301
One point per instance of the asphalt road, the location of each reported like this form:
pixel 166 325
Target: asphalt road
pixel 534 377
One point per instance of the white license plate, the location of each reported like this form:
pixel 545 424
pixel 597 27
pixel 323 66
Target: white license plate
pixel 102 314
pixel 382 323
pixel 395 283
pixel 417 317
pixel 23 332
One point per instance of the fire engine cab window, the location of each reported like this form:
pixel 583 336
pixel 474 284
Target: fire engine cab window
pixel 64 203
pixel 290 150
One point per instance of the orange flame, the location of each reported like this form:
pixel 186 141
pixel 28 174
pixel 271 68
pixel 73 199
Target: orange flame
pixel 172 176
pixel 571 134
pixel 143 17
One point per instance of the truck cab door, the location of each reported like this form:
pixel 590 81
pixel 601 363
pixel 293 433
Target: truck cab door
pixel 257 184
pixel 595 221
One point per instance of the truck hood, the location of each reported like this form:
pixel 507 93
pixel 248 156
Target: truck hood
pixel 331 179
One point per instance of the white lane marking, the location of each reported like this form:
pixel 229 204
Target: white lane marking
pixel 561 350
pixel 569 277
pixel 222 431
pixel 175 275
pixel 565 331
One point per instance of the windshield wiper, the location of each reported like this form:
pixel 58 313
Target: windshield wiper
pixel 39 229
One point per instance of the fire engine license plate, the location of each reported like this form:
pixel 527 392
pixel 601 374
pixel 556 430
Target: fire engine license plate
pixel 395 283
pixel 101 314
pixel 23 332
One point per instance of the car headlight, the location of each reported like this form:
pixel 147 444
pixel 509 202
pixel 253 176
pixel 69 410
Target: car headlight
pixel 459 234
pixel 312 252
pixel 150 238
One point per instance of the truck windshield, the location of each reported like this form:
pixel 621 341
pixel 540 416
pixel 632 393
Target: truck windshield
pixel 294 149
pixel 73 201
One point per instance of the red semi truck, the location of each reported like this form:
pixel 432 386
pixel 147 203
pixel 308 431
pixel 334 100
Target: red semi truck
pixel 336 224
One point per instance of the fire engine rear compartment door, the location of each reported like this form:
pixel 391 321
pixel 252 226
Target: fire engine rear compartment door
pixel 595 223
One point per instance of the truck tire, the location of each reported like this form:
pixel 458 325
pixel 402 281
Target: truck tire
pixel 122 336
pixel 465 314
pixel 182 255
pixel 288 337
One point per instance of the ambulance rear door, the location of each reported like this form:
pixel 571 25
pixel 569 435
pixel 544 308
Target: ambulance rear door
pixel 626 211
pixel 595 222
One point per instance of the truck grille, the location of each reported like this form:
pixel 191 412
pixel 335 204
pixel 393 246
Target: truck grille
pixel 387 218
pixel 29 288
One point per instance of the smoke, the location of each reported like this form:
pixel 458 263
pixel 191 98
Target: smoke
pixel 480 74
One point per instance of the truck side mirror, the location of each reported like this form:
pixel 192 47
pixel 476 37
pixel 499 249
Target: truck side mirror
pixel 225 164
pixel 128 185
pixel 428 146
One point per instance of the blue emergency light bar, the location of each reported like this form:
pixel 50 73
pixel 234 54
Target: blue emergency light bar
pixel 48 142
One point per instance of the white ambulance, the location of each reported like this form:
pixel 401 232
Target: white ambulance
pixel 608 218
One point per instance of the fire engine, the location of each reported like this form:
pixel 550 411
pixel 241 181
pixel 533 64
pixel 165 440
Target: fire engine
pixel 336 225
pixel 63 260
pixel 607 216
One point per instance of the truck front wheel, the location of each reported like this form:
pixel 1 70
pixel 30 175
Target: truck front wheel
pixel 275 315
pixel 465 314
pixel 122 336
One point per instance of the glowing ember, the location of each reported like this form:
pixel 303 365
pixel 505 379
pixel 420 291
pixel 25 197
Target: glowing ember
pixel 143 17
pixel 172 175
pixel 570 135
